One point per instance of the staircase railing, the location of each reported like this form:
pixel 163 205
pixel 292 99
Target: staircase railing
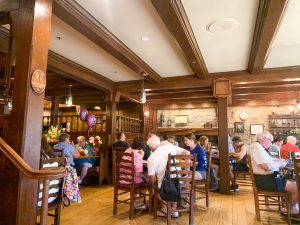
pixel 44 175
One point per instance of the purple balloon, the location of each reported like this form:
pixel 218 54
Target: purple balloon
pixel 83 114
pixel 91 121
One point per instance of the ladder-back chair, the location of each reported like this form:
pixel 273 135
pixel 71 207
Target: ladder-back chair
pixel 274 198
pixel 186 165
pixel 123 166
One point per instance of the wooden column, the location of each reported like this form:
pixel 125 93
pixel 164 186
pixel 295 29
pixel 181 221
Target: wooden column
pixel 31 29
pixel 54 110
pixel 223 145
pixel 222 91
pixel 111 118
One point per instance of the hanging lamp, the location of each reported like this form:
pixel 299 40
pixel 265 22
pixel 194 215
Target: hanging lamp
pixel 69 99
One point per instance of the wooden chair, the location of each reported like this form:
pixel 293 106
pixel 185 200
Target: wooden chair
pixel 243 178
pixel 203 186
pixel 55 189
pixel 275 198
pixel 297 175
pixel 183 163
pixel 125 162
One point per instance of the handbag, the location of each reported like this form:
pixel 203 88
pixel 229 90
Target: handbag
pixel 170 187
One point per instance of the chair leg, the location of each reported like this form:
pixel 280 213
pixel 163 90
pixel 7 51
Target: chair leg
pixel 192 208
pixel 155 206
pixel 132 200
pixel 169 210
pixel 115 201
pixel 207 195
pixel 150 200
pixel 257 212
pixel 57 215
pixel 288 210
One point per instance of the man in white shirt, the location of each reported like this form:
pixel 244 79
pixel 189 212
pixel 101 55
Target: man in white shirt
pixel 264 167
pixel 157 162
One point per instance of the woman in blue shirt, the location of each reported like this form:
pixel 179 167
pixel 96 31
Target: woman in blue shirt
pixel 194 148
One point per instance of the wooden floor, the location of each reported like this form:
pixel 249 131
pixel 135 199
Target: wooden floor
pixel 96 208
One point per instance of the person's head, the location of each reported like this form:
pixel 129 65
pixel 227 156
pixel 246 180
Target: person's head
pixel 150 133
pixel 169 138
pixel 265 139
pixel 203 141
pixel 236 141
pixel 121 136
pixel 63 137
pixel 291 139
pixel 278 141
pixel 190 140
pixel 81 141
pixel 153 142
pixel 138 143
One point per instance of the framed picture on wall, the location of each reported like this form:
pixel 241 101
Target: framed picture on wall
pixel 256 128
pixel 239 127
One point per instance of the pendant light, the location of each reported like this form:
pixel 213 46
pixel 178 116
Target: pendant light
pixel 69 99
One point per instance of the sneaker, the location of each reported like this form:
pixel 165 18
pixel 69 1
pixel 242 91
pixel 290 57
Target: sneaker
pixel 140 206
pixel 234 188
pixel 175 214
pixel 295 209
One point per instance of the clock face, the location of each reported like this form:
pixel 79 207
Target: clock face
pixel 243 116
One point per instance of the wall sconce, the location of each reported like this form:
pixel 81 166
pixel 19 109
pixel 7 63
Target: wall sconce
pixel 69 99
pixel 146 113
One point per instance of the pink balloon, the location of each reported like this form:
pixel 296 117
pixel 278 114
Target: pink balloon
pixel 91 121
pixel 83 114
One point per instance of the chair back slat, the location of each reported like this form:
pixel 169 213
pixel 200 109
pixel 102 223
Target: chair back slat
pixel 123 166
pixel 249 162
pixel 297 174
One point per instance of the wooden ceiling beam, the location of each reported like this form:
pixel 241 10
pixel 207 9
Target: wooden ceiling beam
pixel 262 102
pixel 267 84
pixel 75 92
pixel 237 78
pixel 249 91
pixel 173 101
pixel 267 22
pixel 180 95
pixel 62 65
pixel 266 96
pixel 194 105
pixel 174 17
pixel 78 18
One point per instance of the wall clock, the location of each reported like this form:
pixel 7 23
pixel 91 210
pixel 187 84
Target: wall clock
pixel 244 116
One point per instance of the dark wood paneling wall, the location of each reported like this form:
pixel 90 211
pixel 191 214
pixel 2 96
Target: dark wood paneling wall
pixel 32 26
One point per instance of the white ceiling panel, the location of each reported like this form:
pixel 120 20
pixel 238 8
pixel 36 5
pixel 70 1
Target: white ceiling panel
pixel 285 49
pixel 232 22
pixel 77 48
pixel 129 21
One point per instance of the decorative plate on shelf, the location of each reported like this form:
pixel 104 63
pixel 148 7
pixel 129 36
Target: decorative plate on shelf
pixel 244 116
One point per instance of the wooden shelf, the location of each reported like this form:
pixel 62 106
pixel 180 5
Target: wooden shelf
pixel 196 131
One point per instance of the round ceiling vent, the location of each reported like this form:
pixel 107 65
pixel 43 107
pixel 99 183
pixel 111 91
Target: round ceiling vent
pixel 222 25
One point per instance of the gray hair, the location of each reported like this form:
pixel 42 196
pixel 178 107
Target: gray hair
pixel 82 138
pixel 265 134
pixel 153 141
pixel 291 139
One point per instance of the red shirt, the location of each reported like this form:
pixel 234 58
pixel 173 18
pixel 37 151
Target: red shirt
pixel 288 147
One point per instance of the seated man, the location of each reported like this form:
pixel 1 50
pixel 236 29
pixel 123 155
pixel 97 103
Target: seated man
pixel 157 163
pixel 290 146
pixel 83 165
pixel 265 169
pixel 121 141
pixel 240 154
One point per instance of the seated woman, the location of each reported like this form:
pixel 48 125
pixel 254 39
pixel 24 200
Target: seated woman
pixel 71 180
pixel 191 145
pixel 83 165
pixel 206 145
pixel 290 146
pixel 138 154
pixel 240 154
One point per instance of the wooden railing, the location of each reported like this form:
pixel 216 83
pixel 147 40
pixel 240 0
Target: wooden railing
pixel 43 175
pixel 129 125
pixel 74 124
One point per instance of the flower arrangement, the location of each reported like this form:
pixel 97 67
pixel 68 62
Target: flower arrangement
pixel 95 143
pixel 52 135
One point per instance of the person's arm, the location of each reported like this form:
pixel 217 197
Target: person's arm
pixel 241 154
pixel 181 151
pixel 75 153
pixel 201 157
pixel 272 166
pixel 151 171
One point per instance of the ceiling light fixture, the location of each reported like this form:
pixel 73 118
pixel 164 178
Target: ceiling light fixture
pixel 69 99
pixel 143 92
pixel 145 38
pixel 97 107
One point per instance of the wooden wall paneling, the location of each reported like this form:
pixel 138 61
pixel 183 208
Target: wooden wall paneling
pixel 54 110
pixel 223 145
pixel 32 26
